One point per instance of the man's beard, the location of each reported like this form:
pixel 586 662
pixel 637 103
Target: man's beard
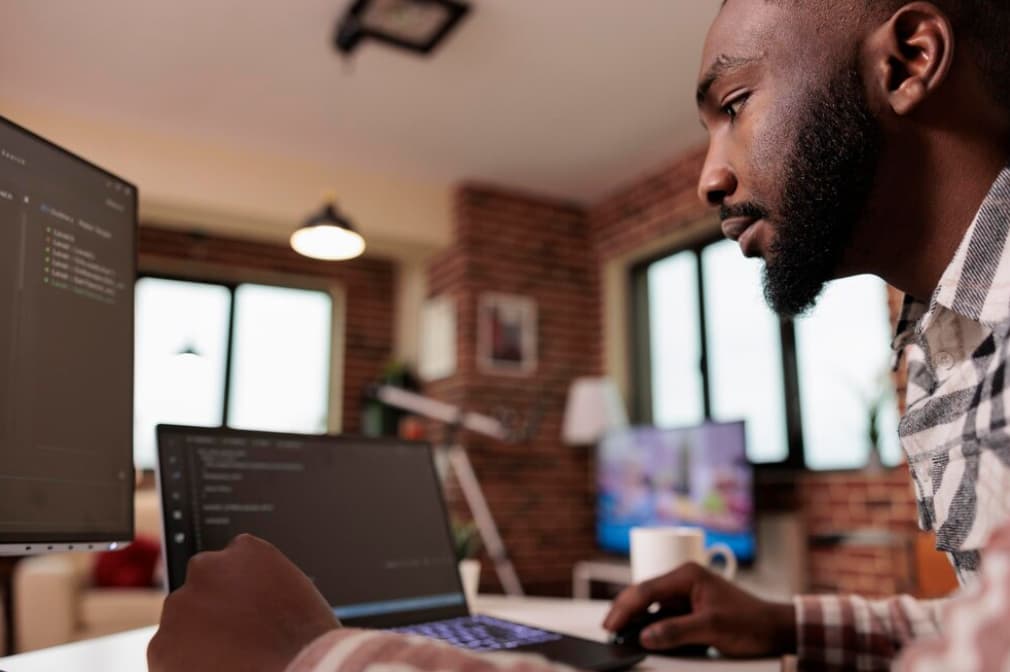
pixel 829 176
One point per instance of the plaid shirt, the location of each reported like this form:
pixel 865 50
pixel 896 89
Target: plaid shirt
pixel 955 434
pixel 975 625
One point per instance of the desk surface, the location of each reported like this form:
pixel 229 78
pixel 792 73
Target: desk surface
pixel 126 652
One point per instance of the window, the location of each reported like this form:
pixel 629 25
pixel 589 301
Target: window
pixel 248 356
pixel 181 356
pixel 708 347
pixel 844 375
pixel 744 340
pixel 676 342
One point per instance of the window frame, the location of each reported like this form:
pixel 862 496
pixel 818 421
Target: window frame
pixel 640 341
pixel 232 285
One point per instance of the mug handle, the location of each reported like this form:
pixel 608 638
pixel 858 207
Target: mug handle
pixel 729 571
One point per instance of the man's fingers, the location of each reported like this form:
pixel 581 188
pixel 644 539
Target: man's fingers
pixel 680 631
pixel 631 601
pixel 246 540
pixel 675 586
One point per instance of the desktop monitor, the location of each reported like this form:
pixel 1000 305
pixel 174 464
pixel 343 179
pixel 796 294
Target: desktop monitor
pixel 67 268
pixel 693 476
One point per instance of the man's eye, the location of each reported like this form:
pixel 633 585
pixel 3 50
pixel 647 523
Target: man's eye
pixel 733 107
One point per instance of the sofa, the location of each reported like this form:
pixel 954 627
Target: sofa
pixel 55 601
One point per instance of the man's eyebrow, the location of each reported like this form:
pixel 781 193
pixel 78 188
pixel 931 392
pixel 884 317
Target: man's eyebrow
pixel 721 67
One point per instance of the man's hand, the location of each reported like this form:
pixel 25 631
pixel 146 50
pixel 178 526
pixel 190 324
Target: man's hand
pixel 717 613
pixel 244 608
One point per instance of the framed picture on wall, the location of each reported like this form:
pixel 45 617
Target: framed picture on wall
pixel 506 334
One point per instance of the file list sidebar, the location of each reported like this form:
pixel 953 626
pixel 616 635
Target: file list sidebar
pixel 67 269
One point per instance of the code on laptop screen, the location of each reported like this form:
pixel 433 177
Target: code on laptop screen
pixel 364 519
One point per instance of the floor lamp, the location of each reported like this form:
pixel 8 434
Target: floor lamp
pixel 455 420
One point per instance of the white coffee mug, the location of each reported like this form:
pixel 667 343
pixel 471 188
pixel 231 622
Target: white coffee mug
pixel 656 551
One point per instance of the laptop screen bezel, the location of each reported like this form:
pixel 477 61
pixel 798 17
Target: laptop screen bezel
pixel 389 620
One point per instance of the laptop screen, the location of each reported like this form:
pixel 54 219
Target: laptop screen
pixel 363 518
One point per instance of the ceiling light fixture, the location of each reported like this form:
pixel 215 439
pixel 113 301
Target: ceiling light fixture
pixel 328 235
pixel 415 25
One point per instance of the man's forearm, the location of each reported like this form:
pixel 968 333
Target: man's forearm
pixel 850 632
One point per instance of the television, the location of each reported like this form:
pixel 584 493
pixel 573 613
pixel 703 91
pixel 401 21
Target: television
pixel 692 476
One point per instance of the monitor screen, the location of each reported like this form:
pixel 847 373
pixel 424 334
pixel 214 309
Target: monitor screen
pixel 338 507
pixel 694 476
pixel 67 268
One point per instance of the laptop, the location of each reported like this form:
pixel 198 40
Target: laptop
pixel 363 518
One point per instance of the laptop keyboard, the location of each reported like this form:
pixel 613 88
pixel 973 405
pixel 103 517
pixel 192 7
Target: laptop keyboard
pixel 481 633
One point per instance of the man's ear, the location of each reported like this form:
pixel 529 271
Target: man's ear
pixel 912 54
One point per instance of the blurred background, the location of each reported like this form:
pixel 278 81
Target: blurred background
pixel 526 192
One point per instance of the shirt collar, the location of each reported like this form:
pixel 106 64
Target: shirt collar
pixel 976 284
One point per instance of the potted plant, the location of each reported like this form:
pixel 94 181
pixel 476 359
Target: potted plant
pixel 466 541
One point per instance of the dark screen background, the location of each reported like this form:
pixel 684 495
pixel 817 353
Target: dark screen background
pixel 363 518
pixel 67 268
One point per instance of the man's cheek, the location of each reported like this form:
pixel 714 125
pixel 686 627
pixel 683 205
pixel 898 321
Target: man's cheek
pixel 769 136
pixel 768 170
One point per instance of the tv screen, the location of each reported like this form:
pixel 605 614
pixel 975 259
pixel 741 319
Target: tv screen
pixel 693 476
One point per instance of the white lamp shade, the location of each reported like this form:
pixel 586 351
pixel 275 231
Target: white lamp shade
pixel 330 243
pixel 594 408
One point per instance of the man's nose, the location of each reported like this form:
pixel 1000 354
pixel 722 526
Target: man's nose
pixel 717 181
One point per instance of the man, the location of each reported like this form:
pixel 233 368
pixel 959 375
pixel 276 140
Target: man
pixel 845 137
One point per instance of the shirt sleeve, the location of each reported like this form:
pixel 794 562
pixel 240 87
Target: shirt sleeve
pixel 975 625
pixel 850 632
pixel 368 650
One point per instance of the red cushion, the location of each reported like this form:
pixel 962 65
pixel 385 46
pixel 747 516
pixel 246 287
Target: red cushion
pixel 131 567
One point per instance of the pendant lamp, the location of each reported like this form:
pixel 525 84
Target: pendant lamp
pixel 328 235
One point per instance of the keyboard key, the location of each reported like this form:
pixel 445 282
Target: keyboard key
pixel 481 633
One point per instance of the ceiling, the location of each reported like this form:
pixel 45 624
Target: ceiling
pixel 565 97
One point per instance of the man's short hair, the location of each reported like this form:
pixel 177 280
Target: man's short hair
pixel 981 26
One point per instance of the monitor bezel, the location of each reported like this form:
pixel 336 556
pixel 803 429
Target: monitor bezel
pixel 13 543
pixel 380 621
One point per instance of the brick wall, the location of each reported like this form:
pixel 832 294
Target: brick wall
pixel 880 509
pixel 369 285
pixel 654 206
pixel 540 491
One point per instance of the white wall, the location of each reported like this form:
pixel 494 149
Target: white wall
pixel 247 192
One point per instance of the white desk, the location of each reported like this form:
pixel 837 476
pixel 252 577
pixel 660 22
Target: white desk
pixel 127 652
